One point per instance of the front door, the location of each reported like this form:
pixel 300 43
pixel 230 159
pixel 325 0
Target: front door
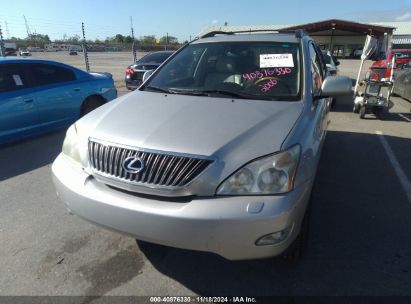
pixel 18 111
pixel 58 94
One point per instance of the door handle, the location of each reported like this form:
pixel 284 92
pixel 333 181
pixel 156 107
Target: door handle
pixel 28 100
pixel 77 89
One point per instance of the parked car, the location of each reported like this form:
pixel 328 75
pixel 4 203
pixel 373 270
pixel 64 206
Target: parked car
pixel 25 53
pixel 39 96
pixel 10 52
pixel 382 68
pixel 217 151
pixel 72 52
pixel 356 53
pixel 331 63
pixel 402 82
pixel 135 72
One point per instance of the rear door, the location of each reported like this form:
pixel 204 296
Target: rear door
pixel 18 112
pixel 58 94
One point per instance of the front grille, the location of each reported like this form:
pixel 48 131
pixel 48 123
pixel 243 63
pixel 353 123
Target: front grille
pixel 159 168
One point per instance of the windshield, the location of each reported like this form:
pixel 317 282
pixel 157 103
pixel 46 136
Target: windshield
pixel 327 58
pixel 402 55
pixel 155 57
pixel 253 70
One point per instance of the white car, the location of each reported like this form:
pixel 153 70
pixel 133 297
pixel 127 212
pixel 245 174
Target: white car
pixel 331 63
pixel 25 53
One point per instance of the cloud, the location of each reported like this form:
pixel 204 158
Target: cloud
pixel 404 17
pixel 214 22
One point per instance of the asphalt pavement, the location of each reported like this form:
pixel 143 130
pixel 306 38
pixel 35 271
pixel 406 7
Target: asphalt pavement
pixel 359 238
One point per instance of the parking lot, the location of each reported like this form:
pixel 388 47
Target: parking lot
pixel 114 63
pixel 359 238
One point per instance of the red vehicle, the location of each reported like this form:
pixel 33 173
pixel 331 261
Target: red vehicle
pixel 382 68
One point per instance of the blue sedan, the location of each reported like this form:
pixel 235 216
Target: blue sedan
pixel 39 96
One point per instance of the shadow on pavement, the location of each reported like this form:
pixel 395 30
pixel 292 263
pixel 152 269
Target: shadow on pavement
pixel 345 104
pixel 25 156
pixel 359 234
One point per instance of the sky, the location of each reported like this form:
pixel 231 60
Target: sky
pixel 182 18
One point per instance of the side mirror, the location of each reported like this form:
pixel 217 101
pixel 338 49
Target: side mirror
pixel 335 86
pixel 147 75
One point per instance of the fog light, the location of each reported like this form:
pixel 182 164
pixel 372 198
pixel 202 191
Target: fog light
pixel 274 238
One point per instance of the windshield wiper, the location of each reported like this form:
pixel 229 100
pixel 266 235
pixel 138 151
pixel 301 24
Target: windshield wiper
pixel 160 89
pixel 239 95
pixel 216 91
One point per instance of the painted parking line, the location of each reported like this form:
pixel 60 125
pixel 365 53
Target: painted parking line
pixel 404 181
pixel 404 117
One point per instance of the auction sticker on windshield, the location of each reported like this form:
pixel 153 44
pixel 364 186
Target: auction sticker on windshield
pixel 276 61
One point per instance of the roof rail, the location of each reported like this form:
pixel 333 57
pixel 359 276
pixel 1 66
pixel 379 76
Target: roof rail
pixel 213 33
pixel 299 33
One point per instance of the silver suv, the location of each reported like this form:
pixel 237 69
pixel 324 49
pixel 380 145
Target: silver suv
pixel 217 151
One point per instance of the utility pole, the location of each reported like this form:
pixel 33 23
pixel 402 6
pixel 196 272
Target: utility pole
pixel 166 41
pixel 27 26
pixel 2 52
pixel 7 30
pixel 133 47
pixel 85 49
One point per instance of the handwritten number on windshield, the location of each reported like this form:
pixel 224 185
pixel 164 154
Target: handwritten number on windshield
pixel 266 73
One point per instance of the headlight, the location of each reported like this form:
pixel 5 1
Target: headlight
pixel 70 144
pixel 268 175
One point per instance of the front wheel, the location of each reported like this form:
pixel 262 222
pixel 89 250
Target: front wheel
pixel 91 103
pixel 362 112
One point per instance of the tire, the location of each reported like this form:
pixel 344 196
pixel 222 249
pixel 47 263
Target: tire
pixel 296 250
pixel 333 102
pixel 362 112
pixel 380 113
pixel 91 103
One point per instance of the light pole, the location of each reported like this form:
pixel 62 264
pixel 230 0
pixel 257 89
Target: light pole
pixel 331 39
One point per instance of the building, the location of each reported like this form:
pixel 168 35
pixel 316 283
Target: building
pixel 401 38
pixel 56 47
pixel 343 37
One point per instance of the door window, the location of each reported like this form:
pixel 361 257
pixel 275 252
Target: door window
pixel 316 69
pixel 45 74
pixel 12 78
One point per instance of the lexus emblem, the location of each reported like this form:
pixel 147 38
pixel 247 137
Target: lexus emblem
pixel 133 164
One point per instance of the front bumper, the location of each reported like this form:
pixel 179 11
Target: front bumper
pixel 228 226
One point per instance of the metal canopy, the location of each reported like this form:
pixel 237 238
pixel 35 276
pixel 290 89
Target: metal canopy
pixel 343 26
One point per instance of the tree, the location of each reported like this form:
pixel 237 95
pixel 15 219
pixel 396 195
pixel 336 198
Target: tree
pixel 129 39
pixel 148 40
pixel 170 40
pixel 74 39
pixel 119 38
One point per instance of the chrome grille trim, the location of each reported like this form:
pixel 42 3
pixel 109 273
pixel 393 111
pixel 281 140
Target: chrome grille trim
pixel 165 169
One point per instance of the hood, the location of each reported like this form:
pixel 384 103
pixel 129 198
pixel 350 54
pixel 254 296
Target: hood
pixel 196 125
